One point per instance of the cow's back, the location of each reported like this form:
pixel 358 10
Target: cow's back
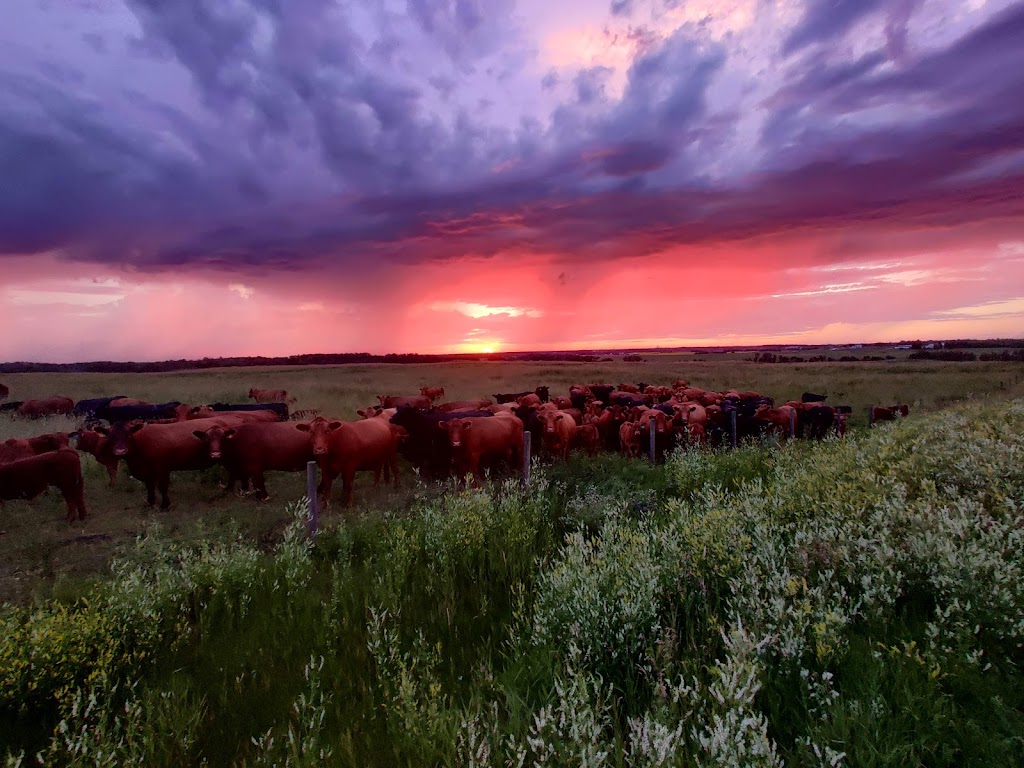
pixel 275 446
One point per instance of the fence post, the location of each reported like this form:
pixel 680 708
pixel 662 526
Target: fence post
pixel 732 426
pixel 527 441
pixel 871 414
pixel 838 421
pixel 792 422
pixel 653 433
pixel 314 499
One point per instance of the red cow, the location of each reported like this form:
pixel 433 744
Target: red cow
pixel 432 393
pixel 530 399
pixel 629 438
pixel 476 439
pixel 609 423
pixel 20 448
pixel 27 478
pixel 393 401
pixel 271 395
pixel 464 405
pixel 889 414
pixel 776 419
pixel 206 412
pixel 47 406
pixel 102 449
pixel 558 432
pixel 344 448
pixel 153 451
pixel 250 450
pixel 588 438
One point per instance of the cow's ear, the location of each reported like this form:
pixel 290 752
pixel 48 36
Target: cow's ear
pixel 302 427
pixel 466 425
pixel 199 434
pixel 135 427
pixel 101 430
pixel 228 434
pixel 381 398
pixel 335 425
pixel 442 425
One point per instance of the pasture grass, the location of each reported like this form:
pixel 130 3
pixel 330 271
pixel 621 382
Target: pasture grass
pixel 44 556
pixel 856 602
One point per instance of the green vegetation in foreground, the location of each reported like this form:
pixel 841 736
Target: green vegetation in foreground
pixel 853 603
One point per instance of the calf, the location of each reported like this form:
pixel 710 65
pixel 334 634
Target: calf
pixel 588 438
pixel 889 414
pixel 20 448
pixel 28 477
pixel 432 393
pixel 101 448
pixel 270 395
pixel 629 438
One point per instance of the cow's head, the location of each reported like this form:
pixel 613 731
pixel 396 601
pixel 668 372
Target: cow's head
pixel 215 437
pixel 542 393
pixel 319 430
pixel 903 410
pixel 252 393
pixel 456 429
pixel 119 435
pixel 548 420
pixel 369 413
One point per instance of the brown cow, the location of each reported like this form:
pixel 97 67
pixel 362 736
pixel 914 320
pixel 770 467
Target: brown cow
pixel 558 431
pixel 346 447
pixel 153 451
pixel 20 448
pixel 476 439
pixel 588 438
pixel 393 401
pixel 464 405
pixel 206 412
pixel 776 419
pixel 250 450
pixel 629 438
pixel 101 448
pixel 27 478
pixel 609 423
pixel 271 396
pixel 889 414
pixel 46 406
pixel 531 399
pixel 433 393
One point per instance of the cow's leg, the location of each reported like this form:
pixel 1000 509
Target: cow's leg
pixel 151 491
pixel 259 483
pixel 326 481
pixel 376 475
pixel 165 484
pixel 393 463
pixel 348 476
pixel 111 468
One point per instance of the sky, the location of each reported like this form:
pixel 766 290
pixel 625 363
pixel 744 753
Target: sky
pixel 205 178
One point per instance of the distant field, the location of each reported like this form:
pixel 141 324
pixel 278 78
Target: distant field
pixel 42 554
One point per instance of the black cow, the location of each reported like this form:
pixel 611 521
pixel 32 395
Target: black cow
pixel 628 400
pixel 119 413
pixel 11 406
pixel 810 397
pixel 88 408
pixel 510 397
pixel 281 409
pixel 427 447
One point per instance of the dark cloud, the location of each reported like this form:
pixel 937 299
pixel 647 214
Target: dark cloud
pixel 622 8
pixel 319 148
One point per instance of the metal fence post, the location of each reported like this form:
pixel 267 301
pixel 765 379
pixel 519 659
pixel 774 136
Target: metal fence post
pixel 732 426
pixel 653 434
pixel 871 415
pixel 792 422
pixel 527 441
pixel 314 499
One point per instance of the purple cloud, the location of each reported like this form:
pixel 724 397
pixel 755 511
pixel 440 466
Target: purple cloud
pixel 264 135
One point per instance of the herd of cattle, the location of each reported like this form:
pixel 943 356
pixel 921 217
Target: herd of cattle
pixel 438 438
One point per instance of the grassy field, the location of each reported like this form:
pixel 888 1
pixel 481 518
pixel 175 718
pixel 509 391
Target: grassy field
pixel 847 603
pixel 43 556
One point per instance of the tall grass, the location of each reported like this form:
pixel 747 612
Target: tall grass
pixel 856 602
